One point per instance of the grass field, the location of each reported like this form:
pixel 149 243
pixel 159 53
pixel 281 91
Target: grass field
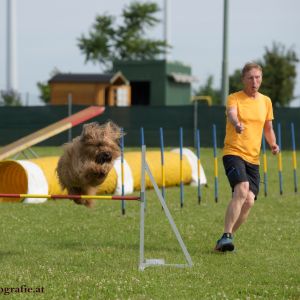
pixel 66 251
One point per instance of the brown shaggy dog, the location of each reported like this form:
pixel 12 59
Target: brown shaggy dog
pixel 87 160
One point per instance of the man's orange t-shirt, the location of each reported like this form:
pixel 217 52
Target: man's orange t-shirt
pixel 252 113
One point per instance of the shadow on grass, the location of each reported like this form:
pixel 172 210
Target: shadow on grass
pixel 5 254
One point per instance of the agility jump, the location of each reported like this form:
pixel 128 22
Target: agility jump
pixel 56 197
pixel 37 175
pixel 143 262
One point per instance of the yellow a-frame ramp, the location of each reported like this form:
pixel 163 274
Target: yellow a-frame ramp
pixel 51 130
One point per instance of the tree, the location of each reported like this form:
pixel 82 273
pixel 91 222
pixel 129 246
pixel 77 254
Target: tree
pixel 10 98
pixel 107 42
pixel 44 88
pixel 235 81
pixel 279 74
pixel 208 90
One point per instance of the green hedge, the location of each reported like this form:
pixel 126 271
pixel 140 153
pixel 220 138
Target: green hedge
pixel 16 122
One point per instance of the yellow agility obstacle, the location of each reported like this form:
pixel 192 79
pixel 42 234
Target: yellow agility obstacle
pixel 38 175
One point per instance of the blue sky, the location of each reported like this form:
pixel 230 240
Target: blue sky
pixel 47 33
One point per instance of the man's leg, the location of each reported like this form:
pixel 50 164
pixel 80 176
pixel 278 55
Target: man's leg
pixel 234 209
pixel 249 202
pixel 241 190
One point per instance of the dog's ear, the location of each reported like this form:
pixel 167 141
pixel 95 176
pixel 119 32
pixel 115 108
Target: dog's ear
pixel 88 132
pixel 114 130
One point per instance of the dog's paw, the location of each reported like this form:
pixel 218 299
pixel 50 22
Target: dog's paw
pixel 89 203
pixel 86 202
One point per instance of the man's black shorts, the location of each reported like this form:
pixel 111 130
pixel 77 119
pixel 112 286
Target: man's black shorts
pixel 238 170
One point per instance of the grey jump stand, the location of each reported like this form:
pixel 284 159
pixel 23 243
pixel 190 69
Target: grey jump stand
pixel 144 263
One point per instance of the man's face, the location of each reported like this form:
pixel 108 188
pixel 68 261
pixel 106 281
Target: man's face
pixel 252 80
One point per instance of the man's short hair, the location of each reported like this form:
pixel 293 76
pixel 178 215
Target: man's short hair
pixel 249 66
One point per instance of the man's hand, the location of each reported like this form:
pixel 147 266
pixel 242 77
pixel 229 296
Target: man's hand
pixel 275 149
pixel 233 118
pixel 239 127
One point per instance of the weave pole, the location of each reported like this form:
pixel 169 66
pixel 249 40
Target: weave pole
pixel 294 158
pixel 163 172
pixel 122 171
pixel 142 136
pixel 181 167
pixel 198 164
pixel 94 197
pixel 215 162
pixel 265 166
pixel 279 158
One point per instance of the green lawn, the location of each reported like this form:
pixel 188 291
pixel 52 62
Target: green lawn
pixel 77 253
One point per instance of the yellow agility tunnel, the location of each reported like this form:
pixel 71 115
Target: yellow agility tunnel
pixel 38 175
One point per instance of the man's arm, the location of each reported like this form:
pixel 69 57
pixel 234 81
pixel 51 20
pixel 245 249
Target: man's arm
pixel 233 119
pixel 270 137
